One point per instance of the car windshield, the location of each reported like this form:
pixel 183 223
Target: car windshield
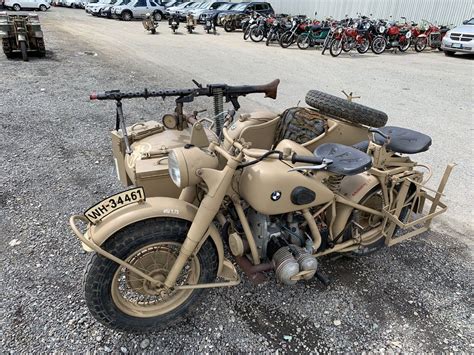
pixel 240 7
pixel 184 4
pixel 123 2
pixel 205 5
pixel 470 22
pixel 225 6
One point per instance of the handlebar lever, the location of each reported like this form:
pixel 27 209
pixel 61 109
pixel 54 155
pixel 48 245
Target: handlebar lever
pixel 321 166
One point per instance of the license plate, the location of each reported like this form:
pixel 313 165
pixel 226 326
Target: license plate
pixel 97 212
pixel 457 45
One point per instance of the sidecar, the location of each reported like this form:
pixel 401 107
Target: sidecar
pixel 329 119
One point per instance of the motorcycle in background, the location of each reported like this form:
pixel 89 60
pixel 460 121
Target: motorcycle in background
pixel 209 24
pixel 277 29
pixel 190 23
pixel 428 34
pixel 313 35
pixel 149 23
pixel 398 36
pixel 298 25
pixel 174 22
pixel 346 39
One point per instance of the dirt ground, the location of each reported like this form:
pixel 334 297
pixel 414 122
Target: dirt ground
pixel 56 161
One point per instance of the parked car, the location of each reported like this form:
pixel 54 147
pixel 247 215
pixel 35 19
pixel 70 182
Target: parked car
pixel 182 12
pixel 215 12
pixel 459 39
pixel 97 10
pixel 79 4
pixel 138 9
pixel 263 8
pixel 206 6
pixel 171 10
pixel 93 3
pixel 18 5
pixel 108 10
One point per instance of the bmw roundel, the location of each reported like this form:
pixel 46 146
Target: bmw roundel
pixel 275 196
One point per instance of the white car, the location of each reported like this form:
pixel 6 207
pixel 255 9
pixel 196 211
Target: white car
pixel 74 3
pixel 18 5
pixel 459 39
pixel 138 9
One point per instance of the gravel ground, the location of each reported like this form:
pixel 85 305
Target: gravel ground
pixel 56 159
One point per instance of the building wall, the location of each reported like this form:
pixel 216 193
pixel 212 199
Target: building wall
pixel 437 11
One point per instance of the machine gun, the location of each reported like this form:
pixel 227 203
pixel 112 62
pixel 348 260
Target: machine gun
pixel 218 91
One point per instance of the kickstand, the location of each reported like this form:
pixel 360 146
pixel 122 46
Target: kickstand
pixel 323 278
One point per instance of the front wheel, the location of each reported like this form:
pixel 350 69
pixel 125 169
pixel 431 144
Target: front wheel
pixel 378 45
pixel 127 16
pixel 43 7
pixel 24 53
pixel 16 7
pixel 269 38
pixel 364 46
pixel 256 34
pixel 228 26
pixel 153 31
pixel 420 44
pixel 247 33
pixel 119 299
pixel 404 47
pixel 335 48
pixel 158 16
pixel 286 39
pixel 303 41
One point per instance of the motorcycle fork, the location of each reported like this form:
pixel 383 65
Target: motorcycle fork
pixel 218 182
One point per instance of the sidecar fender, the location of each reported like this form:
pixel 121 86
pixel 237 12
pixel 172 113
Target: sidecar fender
pixel 153 207
pixel 353 188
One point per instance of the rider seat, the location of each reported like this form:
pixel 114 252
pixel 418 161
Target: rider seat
pixel 403 140
pixel 345 160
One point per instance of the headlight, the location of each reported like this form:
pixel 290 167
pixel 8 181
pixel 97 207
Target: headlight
pixel 339 30
pixel 382 29
pixel 183 164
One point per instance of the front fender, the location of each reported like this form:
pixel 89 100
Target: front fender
pixel 421 36
pixel 153 207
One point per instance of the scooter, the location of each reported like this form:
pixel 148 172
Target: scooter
pixel 174 22
pixel 190 23
pixel 150 24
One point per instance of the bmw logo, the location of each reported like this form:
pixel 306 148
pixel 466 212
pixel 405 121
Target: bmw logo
pixel 275 196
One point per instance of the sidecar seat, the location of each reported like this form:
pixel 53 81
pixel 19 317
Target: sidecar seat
pixel 403 140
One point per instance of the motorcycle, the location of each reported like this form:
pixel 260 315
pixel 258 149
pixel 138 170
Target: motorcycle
pixel 298 25
pixel 276 30
pixel 278 209
pixel 259 31
pixel 397 36
pixel 313 35
pixel 209 24
pixel 190 23
pixel 346 39
pixel 428 35
pixel 149 23
pixel 173 22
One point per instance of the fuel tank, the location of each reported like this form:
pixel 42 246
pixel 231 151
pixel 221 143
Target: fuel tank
pixel 271 189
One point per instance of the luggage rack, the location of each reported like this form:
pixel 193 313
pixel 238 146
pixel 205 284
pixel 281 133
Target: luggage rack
pixel 421 195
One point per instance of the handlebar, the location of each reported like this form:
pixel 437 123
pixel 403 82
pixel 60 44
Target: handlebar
pixel 295 158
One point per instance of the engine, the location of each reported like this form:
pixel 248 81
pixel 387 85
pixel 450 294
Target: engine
pixel 280 240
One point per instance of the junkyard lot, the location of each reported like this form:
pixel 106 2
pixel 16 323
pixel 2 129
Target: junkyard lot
pixel 57 160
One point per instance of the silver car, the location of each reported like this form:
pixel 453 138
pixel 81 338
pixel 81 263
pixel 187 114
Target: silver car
pixel 138 9
pixel 459 39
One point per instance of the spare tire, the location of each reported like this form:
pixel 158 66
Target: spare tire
pixel 345 110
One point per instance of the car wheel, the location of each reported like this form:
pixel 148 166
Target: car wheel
pixel 449 53
pixel 43 7
pixel 16 7
pixel 158 16
pixel 127 16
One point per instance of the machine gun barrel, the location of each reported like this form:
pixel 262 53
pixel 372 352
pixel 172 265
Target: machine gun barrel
pixel 270 90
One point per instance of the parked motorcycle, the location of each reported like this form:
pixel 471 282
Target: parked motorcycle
pixel 209 24
pixel 278 27
pixel 397 36
pixel 149 23
pixel 260 30
pixel 313 35
pixel 428 34
pixel 173 22
pixel 346 39
pixel 278 209
pixel 190 23
pixel 298 26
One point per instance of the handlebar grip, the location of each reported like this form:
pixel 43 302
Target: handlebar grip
pixel 295 158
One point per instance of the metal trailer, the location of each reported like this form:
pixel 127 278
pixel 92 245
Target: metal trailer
pixel 21 34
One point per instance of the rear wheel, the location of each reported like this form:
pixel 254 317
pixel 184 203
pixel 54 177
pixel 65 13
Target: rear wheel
pixel 43 7
pixel 228 26
pixel 16 7
pixel 269 38
pixel 24 52
pixel 158 16
pixel 122 300
pixel 303 41
pixel 335 48
pixel 403 47
pixel 420 44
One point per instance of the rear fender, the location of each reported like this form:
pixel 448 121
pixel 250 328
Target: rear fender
pixel 353 188
pixel 153 207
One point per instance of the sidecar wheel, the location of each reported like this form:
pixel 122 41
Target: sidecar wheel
pixel 345 110
pixel 119 299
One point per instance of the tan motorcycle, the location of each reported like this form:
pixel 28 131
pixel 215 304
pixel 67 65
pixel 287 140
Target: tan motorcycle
pixel 278 209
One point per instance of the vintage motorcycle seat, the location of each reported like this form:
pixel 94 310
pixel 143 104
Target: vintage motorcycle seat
pixel 345 160
pixel 403 140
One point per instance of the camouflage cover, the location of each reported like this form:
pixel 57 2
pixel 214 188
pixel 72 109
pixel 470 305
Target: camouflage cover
pixel 299 125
